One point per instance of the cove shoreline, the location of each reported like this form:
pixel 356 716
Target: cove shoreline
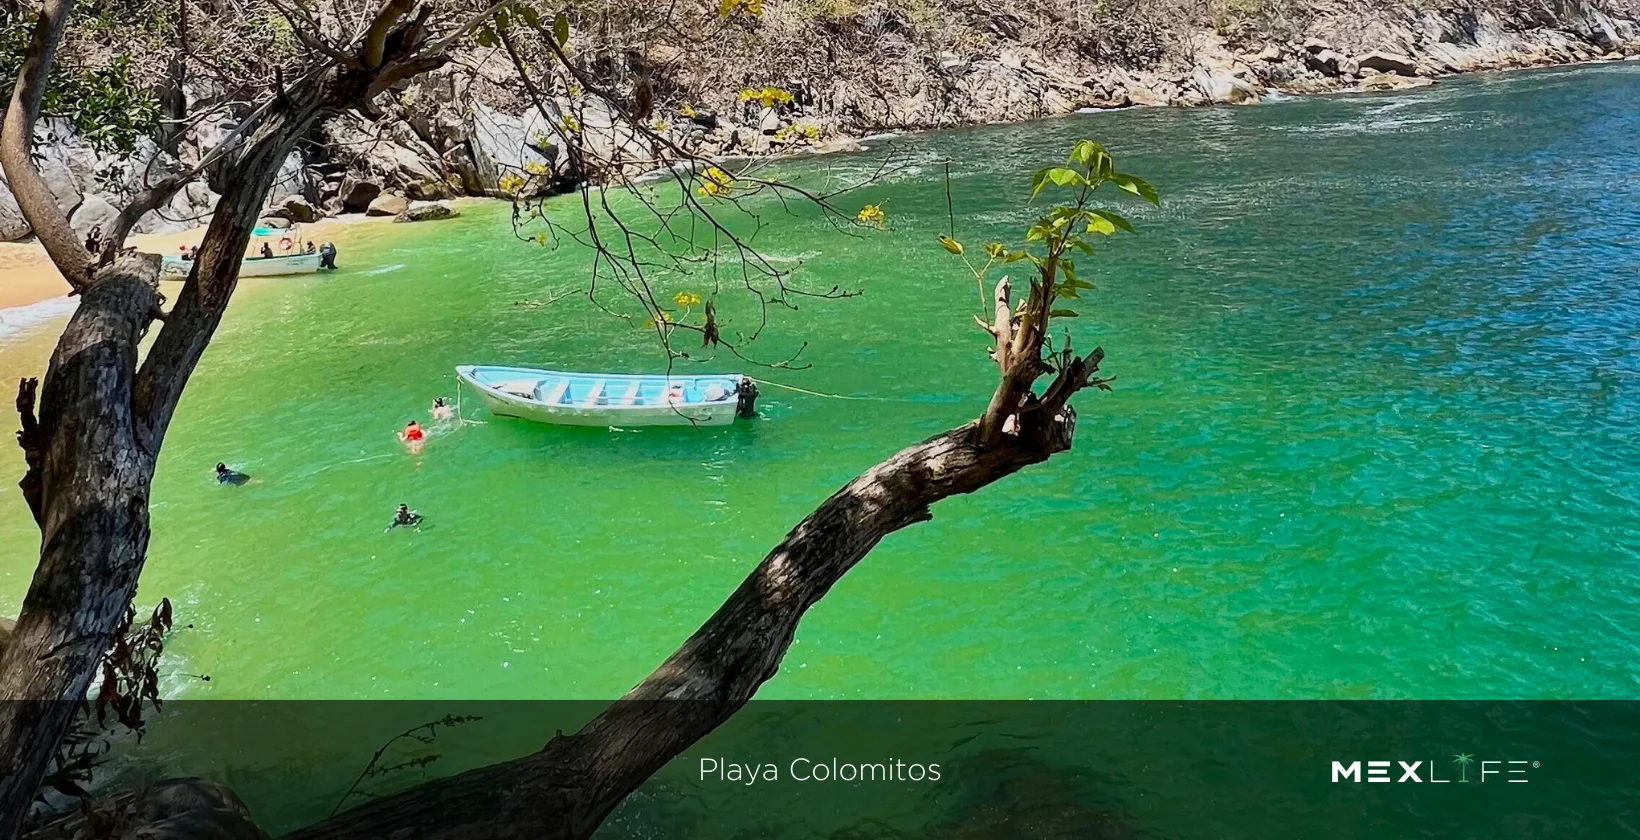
pixel 35 294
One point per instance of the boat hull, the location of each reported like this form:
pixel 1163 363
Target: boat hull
pixel 255 267
pixel 717 413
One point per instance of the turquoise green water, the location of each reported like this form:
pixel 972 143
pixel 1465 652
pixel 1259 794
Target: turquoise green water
pixel 1372 436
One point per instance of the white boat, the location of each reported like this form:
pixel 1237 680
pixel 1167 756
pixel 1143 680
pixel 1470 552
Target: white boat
pixel 288 240
pixel 611 399
pixel 252 266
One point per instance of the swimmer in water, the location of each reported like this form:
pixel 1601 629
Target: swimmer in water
pixel 404 517
pixel 441 411
pixel 227 476
pixel 413 436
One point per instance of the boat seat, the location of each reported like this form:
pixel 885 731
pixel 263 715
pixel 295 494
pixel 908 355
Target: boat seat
pixel 593 393
pixel 518 388
pixel 556 395
pixel 631 396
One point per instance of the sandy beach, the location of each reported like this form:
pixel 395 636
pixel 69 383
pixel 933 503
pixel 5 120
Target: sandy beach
pixel 30 278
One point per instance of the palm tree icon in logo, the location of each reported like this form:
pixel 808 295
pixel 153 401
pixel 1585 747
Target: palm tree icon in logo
pixel 1463 760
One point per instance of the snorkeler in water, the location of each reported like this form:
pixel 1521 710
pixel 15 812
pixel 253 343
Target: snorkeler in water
pixel 405 517
pixel 227 476
pixel 441 410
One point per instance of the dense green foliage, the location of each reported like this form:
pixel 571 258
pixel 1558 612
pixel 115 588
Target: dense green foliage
pixel 106 104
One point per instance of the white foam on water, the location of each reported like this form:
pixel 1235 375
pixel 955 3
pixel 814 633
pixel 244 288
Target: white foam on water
pixel 20 319
pixel 386 268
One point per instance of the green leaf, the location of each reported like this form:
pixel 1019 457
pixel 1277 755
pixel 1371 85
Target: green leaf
pixel 1039 231
pixel 485 36
pixel 1062 313
pixel 1114 219
pixel 560 29
pixel 1086 152
pixel 1137 186
pixel 530 16
pixel 1038 181
pixel 1014 256
pixel 994 250
pixel 1083 246
pixel 502 19
pixel 1062 177
pixel 1067 290
pixel 1099 224
pixel 951 245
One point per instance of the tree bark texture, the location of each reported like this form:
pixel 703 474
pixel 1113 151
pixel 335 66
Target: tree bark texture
pixel 93 479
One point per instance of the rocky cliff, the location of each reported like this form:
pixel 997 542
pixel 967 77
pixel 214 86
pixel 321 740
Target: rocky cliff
pixel 846 68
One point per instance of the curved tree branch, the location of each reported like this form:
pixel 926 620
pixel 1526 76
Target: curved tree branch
pixel 565 791
pixel 34 198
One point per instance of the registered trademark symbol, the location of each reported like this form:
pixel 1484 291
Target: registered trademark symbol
pixel 1534 765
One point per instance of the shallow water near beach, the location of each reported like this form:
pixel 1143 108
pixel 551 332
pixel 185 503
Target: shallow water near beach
pixel 1372 435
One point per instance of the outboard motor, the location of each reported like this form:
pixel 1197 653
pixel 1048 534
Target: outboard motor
pixel 746 402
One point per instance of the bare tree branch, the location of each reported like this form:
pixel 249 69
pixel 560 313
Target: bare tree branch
pixel 34 197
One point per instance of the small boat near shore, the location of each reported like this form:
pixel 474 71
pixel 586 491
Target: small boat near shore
pixel 611 399
pixel 252 266
pixel 295 258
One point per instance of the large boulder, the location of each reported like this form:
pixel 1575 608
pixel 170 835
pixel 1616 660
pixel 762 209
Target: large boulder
pixel 1326 62
pixel 1224 87
pixel 426 212
pixel 295 208
pixel 355 195
pixel 387 204
pixel 1390 81
pixel 95 211
pixel 1385 62
pixel 503 144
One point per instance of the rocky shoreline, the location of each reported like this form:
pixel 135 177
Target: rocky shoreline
pixel 465 131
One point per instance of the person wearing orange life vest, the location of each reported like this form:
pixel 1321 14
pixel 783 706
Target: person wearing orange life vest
pixel 413 436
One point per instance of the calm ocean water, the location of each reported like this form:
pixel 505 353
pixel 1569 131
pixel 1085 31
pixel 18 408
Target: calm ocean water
pixel 1372 436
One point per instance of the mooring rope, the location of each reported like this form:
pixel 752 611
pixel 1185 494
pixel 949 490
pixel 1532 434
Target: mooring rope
pixel 827 396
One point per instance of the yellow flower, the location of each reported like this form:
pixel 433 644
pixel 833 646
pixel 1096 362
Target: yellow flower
pixel 715 183
pixel 871 214
pixel 687 299
pixel 511 182
pixel 768 97
pixel 571 124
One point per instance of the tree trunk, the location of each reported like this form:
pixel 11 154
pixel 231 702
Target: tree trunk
pixel 101 424
pixel 567 790
pixel 93 512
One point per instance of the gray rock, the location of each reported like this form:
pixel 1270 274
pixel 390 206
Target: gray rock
pixel 273 222
pixel 426 212
pixel 502 143
pixel 769 121
pixel 1316 45
pixel 95 211
pixel 296 209
pixel 356 195
pixel 1325 62
pixel 1224 87
pixel 951 64
pixel 387 204
pixel 1385 62
pixel 1271 53
pixel 1391 81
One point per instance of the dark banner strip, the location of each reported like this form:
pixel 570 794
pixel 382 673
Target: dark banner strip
pixel 980 769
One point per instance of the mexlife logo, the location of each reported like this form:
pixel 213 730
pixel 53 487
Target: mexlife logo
pixel 1429 772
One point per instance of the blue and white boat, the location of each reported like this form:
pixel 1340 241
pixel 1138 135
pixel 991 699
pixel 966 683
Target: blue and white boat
pixel 611 399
